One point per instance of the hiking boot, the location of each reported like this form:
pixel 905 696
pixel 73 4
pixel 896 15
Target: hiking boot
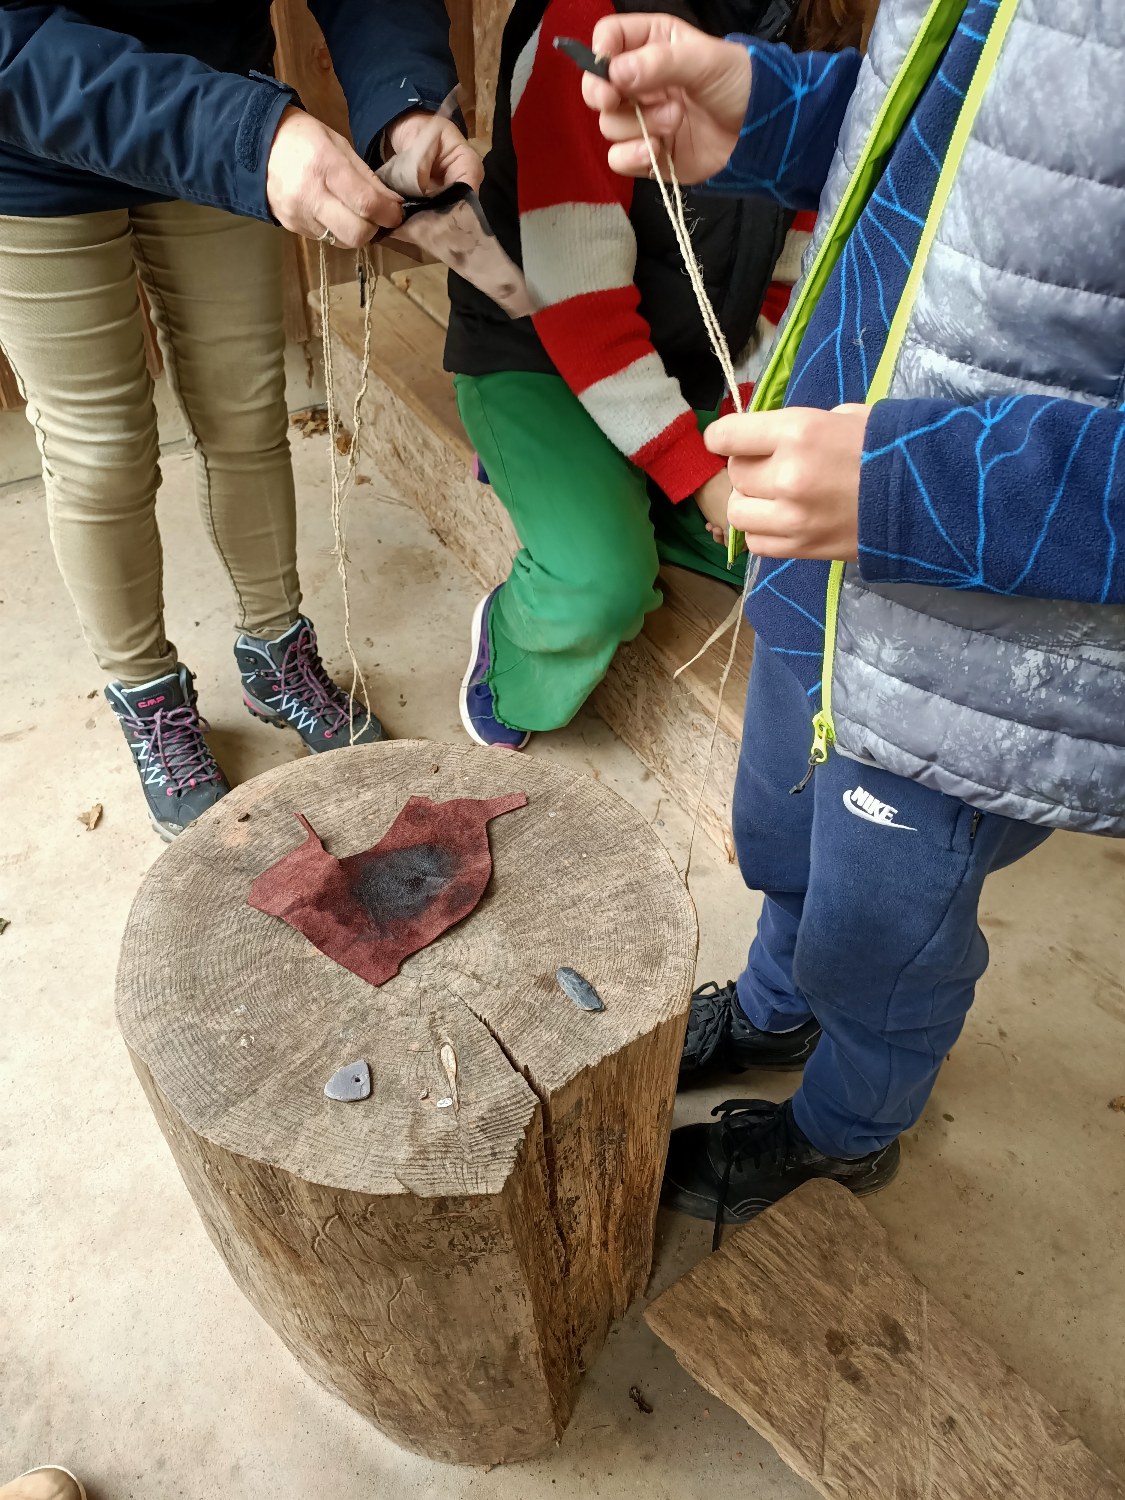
pixel 165 733
pixel 47 1483
pixel 722 1039
pixel 754 1155
pixel 285 683
pixel 478 709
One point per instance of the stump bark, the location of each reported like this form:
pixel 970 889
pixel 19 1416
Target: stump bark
pixel 446 1270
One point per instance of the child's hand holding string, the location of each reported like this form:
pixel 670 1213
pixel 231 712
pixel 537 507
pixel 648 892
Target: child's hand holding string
pixel 692 89
pixel 795 478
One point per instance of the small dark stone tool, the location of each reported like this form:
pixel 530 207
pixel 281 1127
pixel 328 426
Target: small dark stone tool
pixel 580 990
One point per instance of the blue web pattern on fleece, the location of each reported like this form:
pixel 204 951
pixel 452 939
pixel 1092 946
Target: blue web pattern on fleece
pixel 1038 491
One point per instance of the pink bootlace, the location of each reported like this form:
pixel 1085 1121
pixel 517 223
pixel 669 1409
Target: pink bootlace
pixel 176 743
pixel 303 674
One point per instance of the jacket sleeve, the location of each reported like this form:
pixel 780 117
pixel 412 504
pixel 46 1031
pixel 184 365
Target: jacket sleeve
pixel 389 58
pixel 580 255
pixel 797 105
pixel 1015 495
pixel 95 99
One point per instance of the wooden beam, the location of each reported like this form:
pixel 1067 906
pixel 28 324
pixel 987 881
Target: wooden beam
pixel 463 46
pixel 808 1325
pixel 489 17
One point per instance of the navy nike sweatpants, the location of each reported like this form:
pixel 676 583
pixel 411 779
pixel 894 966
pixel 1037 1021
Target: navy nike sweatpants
pixel 871 884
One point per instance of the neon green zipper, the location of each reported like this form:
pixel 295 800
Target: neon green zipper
pixel 824 726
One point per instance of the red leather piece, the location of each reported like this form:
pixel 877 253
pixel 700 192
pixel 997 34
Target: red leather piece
pixel 370 911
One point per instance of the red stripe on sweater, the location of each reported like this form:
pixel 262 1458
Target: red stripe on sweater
pixel 594 335
pixel 776 301
pixel 558 132
pixel 677 459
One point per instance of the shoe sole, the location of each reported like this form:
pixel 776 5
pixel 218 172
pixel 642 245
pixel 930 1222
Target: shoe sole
pixel 463 696
pixel 695 1207
pixel 707 1077
pixel 259 711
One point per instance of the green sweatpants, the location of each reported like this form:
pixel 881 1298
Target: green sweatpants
pixel 592 541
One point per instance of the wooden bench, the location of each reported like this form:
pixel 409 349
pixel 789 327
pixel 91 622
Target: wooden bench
pixel 411 431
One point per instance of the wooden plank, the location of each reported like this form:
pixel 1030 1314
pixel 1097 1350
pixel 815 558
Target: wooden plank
pixel 489 17
pixel 414 436
pixel 463 46
pixel 694 606
pixel 428 286
pixel 808 1325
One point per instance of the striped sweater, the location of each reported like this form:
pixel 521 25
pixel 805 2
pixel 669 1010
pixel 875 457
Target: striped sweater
pixel 579 249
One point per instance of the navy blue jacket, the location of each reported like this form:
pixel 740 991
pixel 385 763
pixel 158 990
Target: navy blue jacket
pixel 106 105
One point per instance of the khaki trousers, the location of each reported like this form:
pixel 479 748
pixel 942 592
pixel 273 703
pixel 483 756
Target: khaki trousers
pixel 71 326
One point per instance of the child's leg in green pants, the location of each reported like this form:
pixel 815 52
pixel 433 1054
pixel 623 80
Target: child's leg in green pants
pixel 585 576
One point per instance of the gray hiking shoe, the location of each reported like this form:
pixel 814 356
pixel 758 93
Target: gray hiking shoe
pixel 165 733
pixel 285 683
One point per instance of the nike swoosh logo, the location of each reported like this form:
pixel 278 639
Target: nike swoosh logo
pixel 868 817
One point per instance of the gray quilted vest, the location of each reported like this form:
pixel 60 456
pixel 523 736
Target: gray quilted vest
pixel 1015 705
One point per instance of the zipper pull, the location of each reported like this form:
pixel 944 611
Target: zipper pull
pixel 818 754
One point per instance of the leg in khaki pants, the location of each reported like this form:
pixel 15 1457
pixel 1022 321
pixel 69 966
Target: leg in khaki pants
pixel 70 323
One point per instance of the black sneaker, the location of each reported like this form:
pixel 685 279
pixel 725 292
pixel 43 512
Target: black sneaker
pixel 721 1039
pixel 165 733
pixel 286 683
pixel 755 1155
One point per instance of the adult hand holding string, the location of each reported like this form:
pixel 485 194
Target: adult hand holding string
pixel 795 478
pixel 315 183
pixel 692 89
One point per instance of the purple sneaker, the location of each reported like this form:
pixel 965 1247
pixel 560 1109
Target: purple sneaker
pixel 478 711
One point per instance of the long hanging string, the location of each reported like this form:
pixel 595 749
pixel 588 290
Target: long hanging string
pixel 672 195
pixel 342 483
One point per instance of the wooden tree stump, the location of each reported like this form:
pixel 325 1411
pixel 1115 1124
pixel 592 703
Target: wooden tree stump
pixel 446 1270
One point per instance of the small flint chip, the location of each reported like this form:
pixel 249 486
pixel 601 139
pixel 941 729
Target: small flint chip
pixel 350 1083
pixel 580 990
pixel 582 56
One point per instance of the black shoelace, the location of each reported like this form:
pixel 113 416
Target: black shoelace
pixel 710 1020
pixel 751 1131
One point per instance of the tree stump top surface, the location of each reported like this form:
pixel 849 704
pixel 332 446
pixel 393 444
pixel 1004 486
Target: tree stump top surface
pixel 241 1021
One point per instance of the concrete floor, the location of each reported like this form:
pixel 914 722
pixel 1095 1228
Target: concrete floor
pixel 128 1354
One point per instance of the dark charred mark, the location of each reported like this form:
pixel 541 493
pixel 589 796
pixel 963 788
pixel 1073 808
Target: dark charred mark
pixel 894 1333
pixel 398 885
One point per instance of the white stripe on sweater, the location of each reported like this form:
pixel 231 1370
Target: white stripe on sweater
pixel 524 63
pixel 636 405
pixel 571 249
pixel 788 266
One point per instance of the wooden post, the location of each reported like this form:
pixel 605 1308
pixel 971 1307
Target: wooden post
pixel 489 18
pixel 446 1270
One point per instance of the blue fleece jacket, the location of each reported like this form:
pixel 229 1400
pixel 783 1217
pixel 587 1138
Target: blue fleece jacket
pixel 1014 495
pixel 105 105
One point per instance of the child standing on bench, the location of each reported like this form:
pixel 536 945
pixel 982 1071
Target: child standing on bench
pixel 588 416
